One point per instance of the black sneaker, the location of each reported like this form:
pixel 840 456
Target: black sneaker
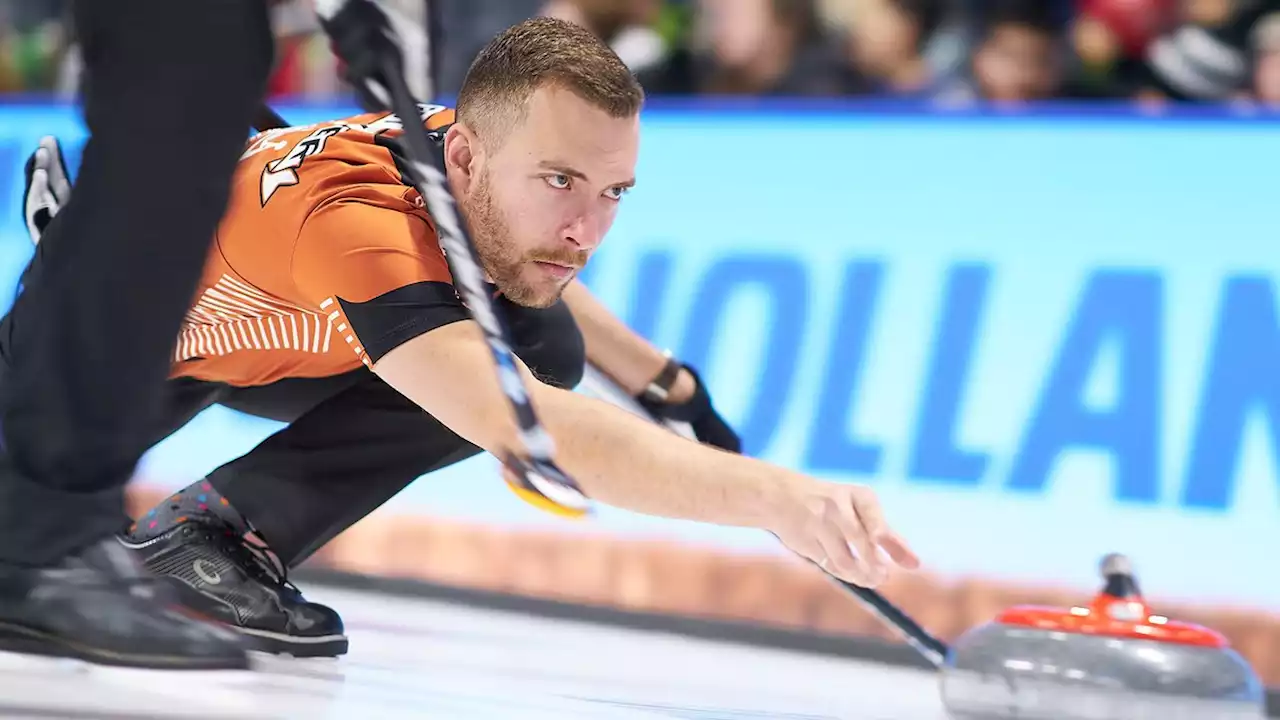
pixel 99 606
pixel 220 574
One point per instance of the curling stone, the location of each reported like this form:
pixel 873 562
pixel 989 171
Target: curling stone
pixel 1112 660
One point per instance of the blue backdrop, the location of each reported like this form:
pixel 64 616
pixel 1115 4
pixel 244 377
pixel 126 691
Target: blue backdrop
pixel 1040 336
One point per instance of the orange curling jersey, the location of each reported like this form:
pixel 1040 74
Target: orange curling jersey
pixel 325 258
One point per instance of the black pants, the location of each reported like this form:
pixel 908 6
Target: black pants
pixel 353 441
pixel 169 94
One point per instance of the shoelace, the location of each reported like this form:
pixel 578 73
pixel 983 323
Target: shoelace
pixel 267 561
pixel 263 564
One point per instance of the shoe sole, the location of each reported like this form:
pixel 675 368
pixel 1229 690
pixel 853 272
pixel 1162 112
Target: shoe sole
pixel 27 641
pixel 295 645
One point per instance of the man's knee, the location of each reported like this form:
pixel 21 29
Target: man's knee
pixel 550 342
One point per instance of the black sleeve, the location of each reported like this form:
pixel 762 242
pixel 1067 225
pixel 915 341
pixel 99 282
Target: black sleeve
pixel 393 318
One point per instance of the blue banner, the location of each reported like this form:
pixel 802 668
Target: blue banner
pixel 1041 337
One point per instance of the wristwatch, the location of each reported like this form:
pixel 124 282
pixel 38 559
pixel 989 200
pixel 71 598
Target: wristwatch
pixel 659 388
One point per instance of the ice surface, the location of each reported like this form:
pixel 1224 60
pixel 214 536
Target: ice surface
pixel 425 659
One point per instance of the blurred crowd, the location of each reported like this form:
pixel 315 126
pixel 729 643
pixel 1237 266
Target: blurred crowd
pixel 950 51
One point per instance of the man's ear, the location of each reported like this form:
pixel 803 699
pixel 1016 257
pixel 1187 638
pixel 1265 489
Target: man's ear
pixel 461 152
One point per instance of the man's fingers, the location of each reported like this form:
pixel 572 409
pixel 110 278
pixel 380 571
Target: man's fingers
pixel 850 549
pixel 839 559
pixel 871 516
pixel 846 532
pixel 899 551
pixel 867 509
pixel 857 538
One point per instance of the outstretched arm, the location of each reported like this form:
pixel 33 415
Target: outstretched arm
pixel 626 462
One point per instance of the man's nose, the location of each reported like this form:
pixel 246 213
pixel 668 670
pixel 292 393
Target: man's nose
pixel 585 231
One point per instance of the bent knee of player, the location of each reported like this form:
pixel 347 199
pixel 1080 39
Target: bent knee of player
pixel 550 343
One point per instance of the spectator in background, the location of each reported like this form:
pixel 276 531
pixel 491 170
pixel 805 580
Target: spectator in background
pixel 1018 55
pixel 1266 61
pixel 754 47
pixel 467 26
pixel 628 26
pixel 304 63
pixel 953 50
pixel 1206 57
pixel 33 38
pixel 887 42
pixel 1110 40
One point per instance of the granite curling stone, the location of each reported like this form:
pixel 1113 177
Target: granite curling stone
pixel 1112 660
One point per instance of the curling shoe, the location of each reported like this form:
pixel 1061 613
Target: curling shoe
pixel 98 605
pixel 219 573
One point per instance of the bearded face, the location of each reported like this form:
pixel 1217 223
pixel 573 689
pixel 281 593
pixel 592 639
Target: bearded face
pixel 540 199
pixel 529 270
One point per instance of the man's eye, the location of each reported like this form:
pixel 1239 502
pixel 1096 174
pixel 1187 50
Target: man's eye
pixel 616 193
pixel 558 181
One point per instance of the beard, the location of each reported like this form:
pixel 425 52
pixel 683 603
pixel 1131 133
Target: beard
pixel 503 261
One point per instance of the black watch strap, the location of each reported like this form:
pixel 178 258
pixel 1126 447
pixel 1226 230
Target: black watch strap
pixel 659 387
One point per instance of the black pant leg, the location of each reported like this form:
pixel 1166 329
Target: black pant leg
pixel 306 483
pixel 353 452
pixel 170 90
pixel 182 400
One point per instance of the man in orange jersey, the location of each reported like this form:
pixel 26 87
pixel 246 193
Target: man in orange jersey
pixel 328 304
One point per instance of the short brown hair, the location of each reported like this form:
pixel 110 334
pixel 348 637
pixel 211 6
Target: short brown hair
pixel 538 52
